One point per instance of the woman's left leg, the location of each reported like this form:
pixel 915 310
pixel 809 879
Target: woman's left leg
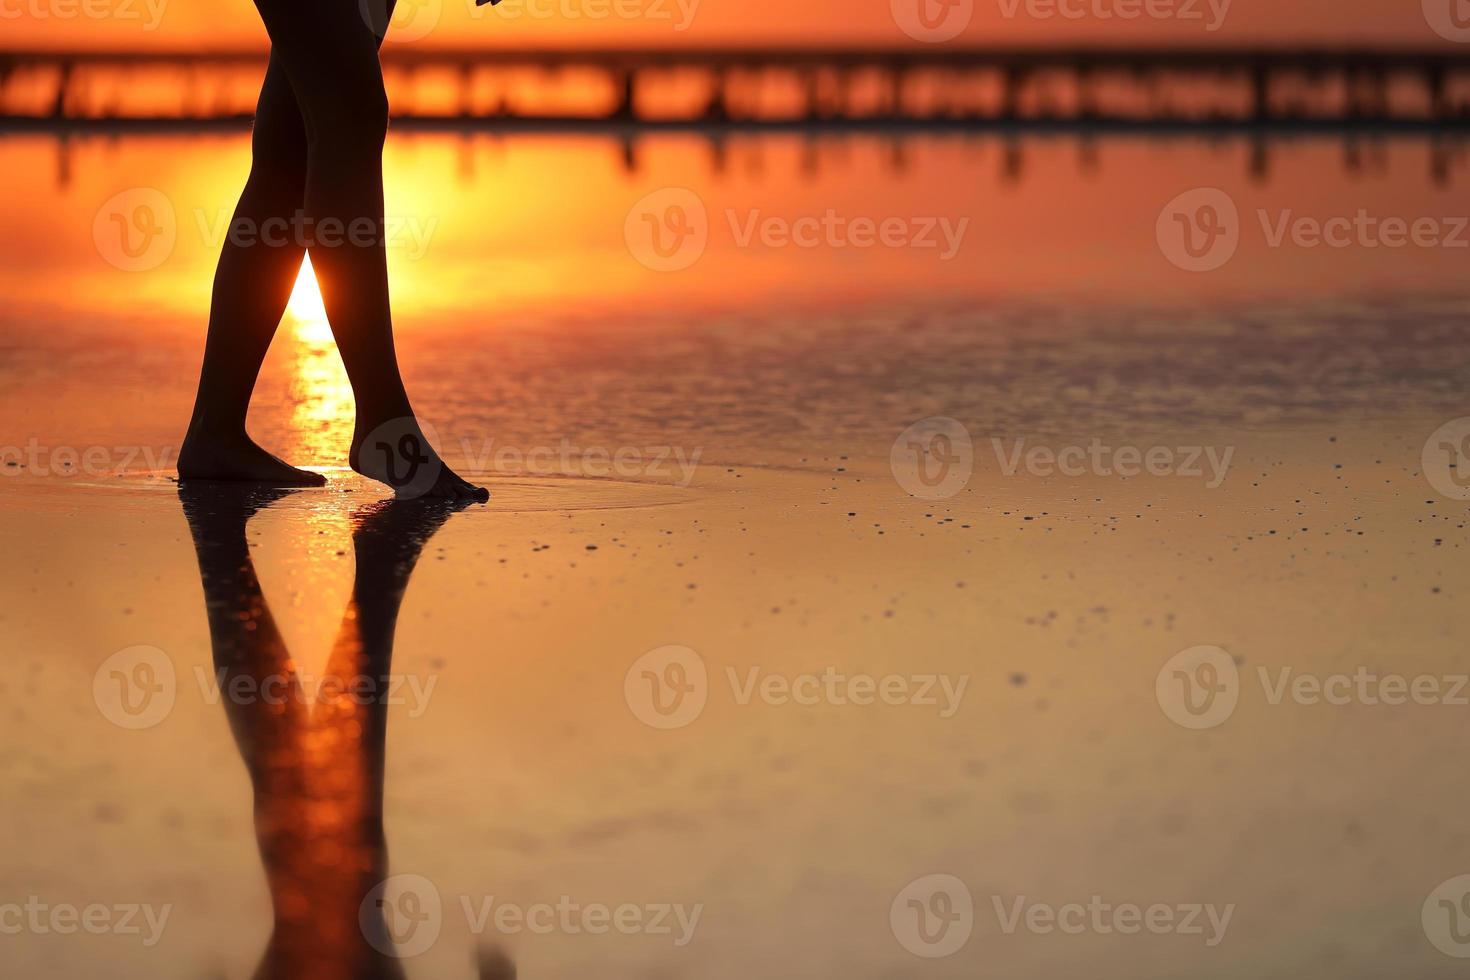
pixel 252 285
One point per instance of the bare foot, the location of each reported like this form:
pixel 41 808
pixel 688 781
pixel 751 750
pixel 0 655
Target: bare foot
pixel 399 454
pixel 237 459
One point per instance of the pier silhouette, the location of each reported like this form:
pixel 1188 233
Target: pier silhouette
pixel 962 87
pixel 1259 93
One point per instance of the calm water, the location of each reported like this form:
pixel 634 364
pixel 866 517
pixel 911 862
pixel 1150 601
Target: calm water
pixel 685 383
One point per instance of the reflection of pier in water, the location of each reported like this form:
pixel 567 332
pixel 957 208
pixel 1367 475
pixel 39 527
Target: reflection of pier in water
pixel 1261 92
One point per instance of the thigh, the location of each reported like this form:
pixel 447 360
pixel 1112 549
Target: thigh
pixel 328 52
pixel 279 135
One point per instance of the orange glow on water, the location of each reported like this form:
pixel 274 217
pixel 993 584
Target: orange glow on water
pixel 321 396
pixel 306 309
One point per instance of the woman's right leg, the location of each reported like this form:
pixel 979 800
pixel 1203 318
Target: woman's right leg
pixel 330 54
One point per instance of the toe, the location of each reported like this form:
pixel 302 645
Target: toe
pixel 473 492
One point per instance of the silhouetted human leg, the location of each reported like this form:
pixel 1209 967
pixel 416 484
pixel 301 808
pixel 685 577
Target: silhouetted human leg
pixel 315 751
pixel 252 285
pixel 330 54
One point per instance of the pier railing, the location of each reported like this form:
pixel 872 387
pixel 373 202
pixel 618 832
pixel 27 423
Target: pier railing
pixel 938 87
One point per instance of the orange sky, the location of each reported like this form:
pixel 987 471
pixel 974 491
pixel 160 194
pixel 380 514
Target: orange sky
pixel 194 23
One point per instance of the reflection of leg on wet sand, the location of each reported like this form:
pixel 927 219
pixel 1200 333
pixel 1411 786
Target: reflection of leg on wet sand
pixel 314 751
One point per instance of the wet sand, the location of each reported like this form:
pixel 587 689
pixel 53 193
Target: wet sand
pixel 1027 618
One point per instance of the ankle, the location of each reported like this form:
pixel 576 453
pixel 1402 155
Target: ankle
pixel 215 429
pixel 375 416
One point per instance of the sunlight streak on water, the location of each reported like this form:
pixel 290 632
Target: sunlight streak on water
pixel 306 307
pixel 321 397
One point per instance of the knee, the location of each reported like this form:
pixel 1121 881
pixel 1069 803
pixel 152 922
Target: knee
pixel 356 122
pixel 278 155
